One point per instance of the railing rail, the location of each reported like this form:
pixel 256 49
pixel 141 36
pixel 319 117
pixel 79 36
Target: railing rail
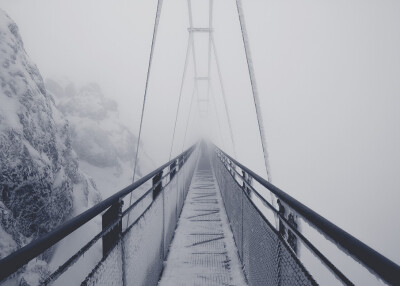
pixel 22 256
pixel 368 257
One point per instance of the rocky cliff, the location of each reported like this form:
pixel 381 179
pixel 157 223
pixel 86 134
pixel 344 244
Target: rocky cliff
pixel 40 177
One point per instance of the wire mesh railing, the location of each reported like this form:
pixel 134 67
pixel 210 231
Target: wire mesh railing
pixel 270 252
pixel 266 258
pixel 140 247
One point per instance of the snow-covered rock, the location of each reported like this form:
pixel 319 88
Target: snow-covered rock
pixel 40 175
pixel 105 147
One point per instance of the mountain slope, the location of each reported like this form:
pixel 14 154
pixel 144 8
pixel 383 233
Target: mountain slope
pixel 40 178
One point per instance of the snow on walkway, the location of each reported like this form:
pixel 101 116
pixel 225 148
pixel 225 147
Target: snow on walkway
pixel 203 251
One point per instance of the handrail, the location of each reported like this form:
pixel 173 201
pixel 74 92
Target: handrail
pixel 22 256
pixel 308 244
pixel 370 258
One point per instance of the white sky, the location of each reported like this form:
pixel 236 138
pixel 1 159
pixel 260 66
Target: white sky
pixel 328 75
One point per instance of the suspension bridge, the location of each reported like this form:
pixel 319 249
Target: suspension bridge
pixel 203 218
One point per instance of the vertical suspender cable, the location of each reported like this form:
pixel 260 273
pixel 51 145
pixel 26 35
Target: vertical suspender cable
pixel 193 46
pixel 210 16
pixel 253 86
pixel 191 26
pixel 216 114
pixel 156 21
pixel 255 97
pixel 180 92
pixel 177 113
pixel 195 87
pixel 221 83
pixel 188 119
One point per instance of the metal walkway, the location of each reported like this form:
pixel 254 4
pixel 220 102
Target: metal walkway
pixel 203 251
pixel 205 220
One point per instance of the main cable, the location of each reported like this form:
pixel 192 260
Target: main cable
pixel 210 18
pixel 216 114
pixel 181 89
pixel 221 83
pixel 256 100
pixel 156 22
pixel 190 111
pixel 195 86
pixel 253 86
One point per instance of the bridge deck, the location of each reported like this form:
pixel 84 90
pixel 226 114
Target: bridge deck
pixel 203 251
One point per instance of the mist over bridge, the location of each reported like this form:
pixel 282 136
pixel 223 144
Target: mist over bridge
pixel 240 235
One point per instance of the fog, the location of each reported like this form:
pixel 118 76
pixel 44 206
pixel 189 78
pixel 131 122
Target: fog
pixel 328 76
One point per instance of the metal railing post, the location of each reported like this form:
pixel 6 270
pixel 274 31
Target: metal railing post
pixel 157 189
pixel 233 168
pixel 157 184
pixel 287 234
pixel 112 237
pixel 281 211
pixel 172 170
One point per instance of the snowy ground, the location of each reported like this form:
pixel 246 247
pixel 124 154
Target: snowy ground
pixel 203 251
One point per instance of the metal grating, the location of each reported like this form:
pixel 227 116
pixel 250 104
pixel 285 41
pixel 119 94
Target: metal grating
pixel 267 260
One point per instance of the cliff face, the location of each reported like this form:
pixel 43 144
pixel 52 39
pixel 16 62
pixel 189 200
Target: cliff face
pixel 40 177
pixel 44 158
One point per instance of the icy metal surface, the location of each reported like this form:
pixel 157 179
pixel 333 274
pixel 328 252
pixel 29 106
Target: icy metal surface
pixel 203 250
pixel 174 194
pixel 109 272
pixel 266 258
pixel 142 246
pixel 138 257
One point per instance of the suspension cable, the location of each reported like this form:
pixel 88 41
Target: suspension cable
pixel 195 86
pixel 191 31
pixel 156 21
pixel 210 18
pixel 188 119
pixel 221 83
pixel 253 86
pixel 180 92
pixel 216 114
pixel 209 89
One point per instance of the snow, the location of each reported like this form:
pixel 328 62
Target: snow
pixel 9 114
pixel 67 247
pixel 107 180
pixel 142 246
pixel 7 243
pixel 59 178
pixel 109 272
pixel 34 271
pixel 40 179
pixel 39 154
pixel 71 244
pixel 203 251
